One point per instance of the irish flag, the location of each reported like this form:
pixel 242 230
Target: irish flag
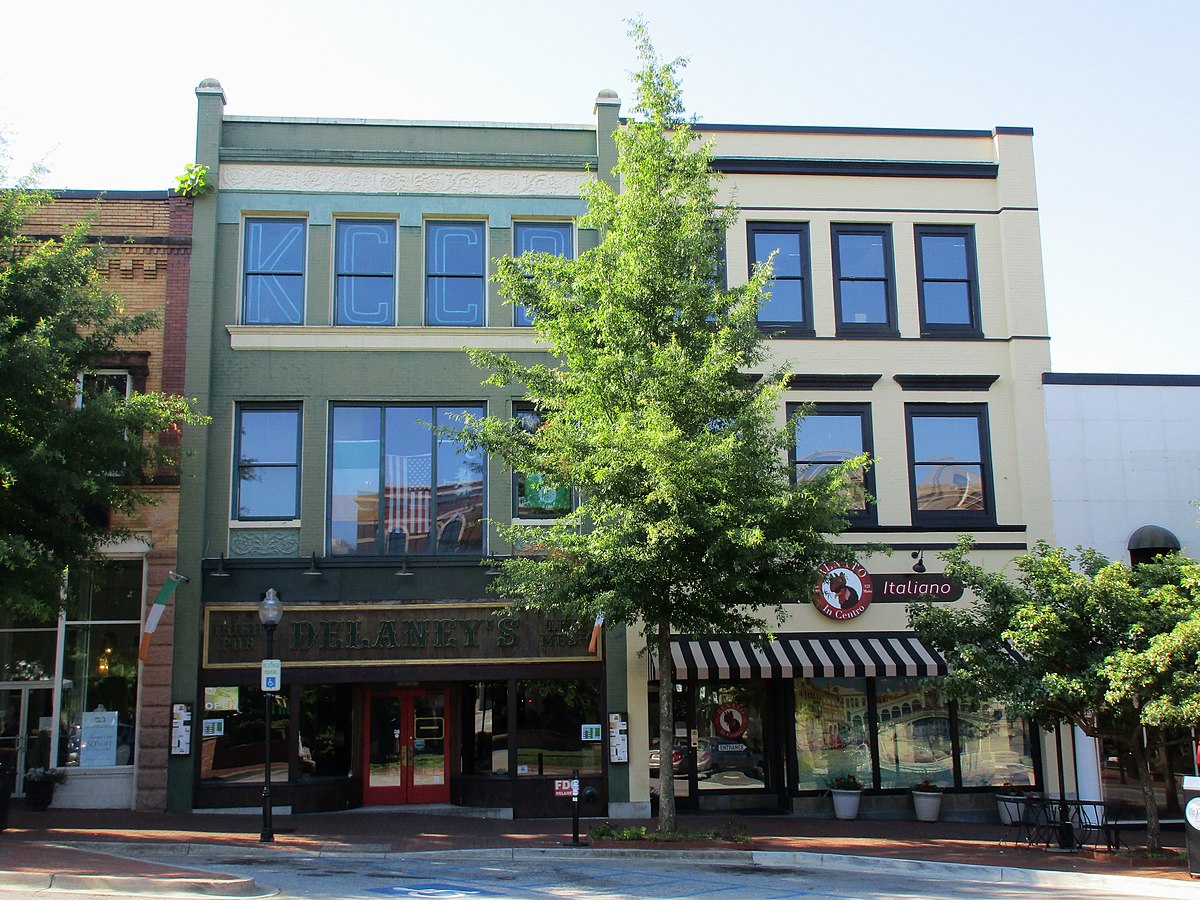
pixel 165 593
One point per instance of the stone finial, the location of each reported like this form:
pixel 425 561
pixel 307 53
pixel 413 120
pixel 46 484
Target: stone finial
pixel 211 86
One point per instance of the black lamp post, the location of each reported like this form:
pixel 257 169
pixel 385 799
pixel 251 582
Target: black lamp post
pixel 270 611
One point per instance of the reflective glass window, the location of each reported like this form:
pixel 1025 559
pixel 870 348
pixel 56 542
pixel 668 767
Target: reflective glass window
pixel 864 289
pixel 273 257
pixel 555 238
pixel 946 281
pixel 550 716
pixel 833 731
pixel 833 433
pixel 950 466
pixel 268 463
pixel 914 733
pixel 397 487
pixel 789 303
pixel 366 270
pixel 455 289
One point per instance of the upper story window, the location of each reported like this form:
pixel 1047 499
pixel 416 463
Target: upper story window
pixel 832 433
pixel 950 468
pixel 273 268
pixel 557 238
pixel 864 285
pixel 789 308
pixel 92 384
pixel 398 487
pixel 455 279
pixel 947 283
pixel 268 462
pixel 366 272
pixel 533 496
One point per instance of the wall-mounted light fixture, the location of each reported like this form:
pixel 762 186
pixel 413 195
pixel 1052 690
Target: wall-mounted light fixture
pixel 219 571
pixel 313 568
pixel 919 565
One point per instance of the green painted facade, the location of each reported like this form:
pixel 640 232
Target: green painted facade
pixel 490 173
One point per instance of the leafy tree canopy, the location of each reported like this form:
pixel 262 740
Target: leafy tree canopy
pixel 1075 639
pixel 688 519
pixel 63 464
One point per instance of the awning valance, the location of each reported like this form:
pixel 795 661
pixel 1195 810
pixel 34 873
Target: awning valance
pixel 805 656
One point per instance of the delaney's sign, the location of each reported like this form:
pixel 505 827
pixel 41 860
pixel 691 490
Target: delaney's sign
pixel 391 634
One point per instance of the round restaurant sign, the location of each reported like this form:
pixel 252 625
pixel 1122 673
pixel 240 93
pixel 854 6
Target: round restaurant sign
pixel 845 591
pixel 730 720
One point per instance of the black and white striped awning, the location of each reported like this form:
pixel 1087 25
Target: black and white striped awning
pixel 804 656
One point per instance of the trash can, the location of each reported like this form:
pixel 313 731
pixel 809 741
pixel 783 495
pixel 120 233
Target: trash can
pixel 1191 822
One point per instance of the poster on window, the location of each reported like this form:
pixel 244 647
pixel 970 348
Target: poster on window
pixel 98 739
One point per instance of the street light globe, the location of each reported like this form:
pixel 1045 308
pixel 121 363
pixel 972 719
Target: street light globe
pixel 270 608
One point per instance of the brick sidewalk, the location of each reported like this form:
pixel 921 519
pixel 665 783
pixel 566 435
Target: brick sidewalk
pixel 59 840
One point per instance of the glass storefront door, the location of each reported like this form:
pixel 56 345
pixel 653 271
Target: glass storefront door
pixel 406 743
pixel 26 723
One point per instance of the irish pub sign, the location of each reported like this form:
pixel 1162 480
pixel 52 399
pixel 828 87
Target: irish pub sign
pixel 389 634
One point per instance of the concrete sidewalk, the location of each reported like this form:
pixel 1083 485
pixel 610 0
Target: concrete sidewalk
pixel 147 853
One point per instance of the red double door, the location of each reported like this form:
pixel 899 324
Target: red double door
pixel 406 747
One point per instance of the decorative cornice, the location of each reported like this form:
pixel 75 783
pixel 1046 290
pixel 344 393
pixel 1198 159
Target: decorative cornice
pixel 1114 379
pixel 415 159
pixel 389 180
pixel 946 382
pixel 826 382
pixel 875 168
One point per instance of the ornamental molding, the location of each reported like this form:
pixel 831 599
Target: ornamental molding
pixel 393 180
pixel 266 542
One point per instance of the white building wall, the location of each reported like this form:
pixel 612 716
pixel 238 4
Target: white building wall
pixel 1123 456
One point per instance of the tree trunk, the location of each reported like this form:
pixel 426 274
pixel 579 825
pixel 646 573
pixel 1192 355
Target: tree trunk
pixel 666 732
pixel 1141 755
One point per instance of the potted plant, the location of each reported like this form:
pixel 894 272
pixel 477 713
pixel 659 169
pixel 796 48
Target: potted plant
pixel 39 786
pixel 847 794
pixel 927 800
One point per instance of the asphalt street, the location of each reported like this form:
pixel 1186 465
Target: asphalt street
pixel 449 876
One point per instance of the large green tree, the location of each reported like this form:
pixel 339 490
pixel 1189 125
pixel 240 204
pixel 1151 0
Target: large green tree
pixel 1073 639
pixel 64 464
pixel 687 518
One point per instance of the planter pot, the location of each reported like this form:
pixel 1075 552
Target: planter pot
pixel 928 805
pixel 1009 808
pixel 38 794
pixel 845 803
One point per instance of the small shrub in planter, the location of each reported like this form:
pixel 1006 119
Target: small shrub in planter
pixel 927 801
pixel 847 795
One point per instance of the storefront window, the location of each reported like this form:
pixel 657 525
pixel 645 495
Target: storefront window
pixel 232 735
pixel 729 722
pixel 99 696
pixel 490 729
pixel 832 731
pixel 325 729
pixel 994 748
pixel 914 733
pixel 550 719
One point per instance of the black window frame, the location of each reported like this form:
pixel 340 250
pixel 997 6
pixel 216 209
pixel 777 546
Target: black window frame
pixel 238 465
pixel 518 408
pixel 974 328
pixel 944 517
pixel 888 329
pixel 247 272
pixel 382 546
pixel 857 518
pixel 800 229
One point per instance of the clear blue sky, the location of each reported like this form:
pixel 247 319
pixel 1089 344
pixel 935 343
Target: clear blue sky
pixel 103 94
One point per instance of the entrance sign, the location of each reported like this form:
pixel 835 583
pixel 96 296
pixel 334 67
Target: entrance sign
pixel 845 591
